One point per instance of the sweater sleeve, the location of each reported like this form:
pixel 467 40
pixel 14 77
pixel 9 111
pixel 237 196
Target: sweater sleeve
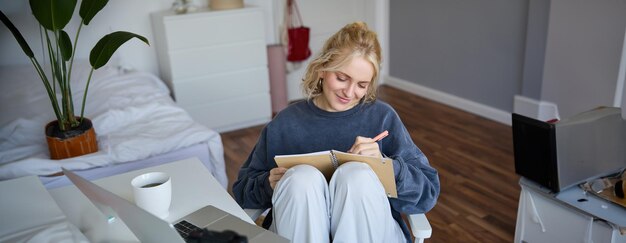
pixel 417 183
pixel 252 188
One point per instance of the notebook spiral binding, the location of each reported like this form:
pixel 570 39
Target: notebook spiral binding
pixel 334 160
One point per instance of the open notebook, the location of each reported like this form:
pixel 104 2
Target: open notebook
pixel 327 161
pixel 149 228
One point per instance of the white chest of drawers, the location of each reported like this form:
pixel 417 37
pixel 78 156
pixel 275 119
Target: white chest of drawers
pixel 215 64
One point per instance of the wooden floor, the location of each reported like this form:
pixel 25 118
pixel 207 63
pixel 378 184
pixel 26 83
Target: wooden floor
pixel 474 157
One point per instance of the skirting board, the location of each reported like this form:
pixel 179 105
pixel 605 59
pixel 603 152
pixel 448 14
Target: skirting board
pixel 241 125
pixel 540 110
pixel 451 100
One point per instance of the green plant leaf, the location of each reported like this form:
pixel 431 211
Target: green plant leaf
pixel 104 49
pixel 66 45
pixel 53 14
pixel 18 36
pixel 89 9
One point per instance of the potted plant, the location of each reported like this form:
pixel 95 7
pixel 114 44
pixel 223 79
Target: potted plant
pixel 70 135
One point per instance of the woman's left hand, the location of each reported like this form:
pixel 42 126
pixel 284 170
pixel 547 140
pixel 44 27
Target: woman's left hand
pixel 365 146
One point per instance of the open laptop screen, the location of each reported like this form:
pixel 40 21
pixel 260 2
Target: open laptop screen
pixel 145 226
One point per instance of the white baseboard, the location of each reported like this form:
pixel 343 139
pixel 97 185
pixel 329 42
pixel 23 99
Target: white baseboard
pixel 241 125
pixel 451 100
pixel 540 110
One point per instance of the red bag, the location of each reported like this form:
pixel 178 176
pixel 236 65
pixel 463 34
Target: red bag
pixel 298 35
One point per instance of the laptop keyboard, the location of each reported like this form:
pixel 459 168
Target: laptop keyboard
pixel 184 228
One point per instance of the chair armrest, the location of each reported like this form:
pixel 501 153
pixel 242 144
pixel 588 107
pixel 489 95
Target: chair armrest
pixel 254 213
pixel 420 226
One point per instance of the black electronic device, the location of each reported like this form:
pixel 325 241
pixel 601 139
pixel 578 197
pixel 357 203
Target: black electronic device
pixel 565 153
pixel 534 146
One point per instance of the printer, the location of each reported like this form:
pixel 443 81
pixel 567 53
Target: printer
pixel 565 153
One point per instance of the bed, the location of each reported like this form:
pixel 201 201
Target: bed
pixel 136 121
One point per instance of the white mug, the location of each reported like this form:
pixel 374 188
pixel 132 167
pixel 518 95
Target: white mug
pixel 153 193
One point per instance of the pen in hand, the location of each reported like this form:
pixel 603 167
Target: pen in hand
pixel 381 136
pixel 364 146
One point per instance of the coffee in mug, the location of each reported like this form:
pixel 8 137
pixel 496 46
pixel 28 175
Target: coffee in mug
pixel 153 193
pixel 151 185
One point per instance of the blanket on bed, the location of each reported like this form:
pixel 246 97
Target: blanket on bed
pixel 133 115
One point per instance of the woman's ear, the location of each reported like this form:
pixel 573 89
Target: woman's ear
pixel 320 74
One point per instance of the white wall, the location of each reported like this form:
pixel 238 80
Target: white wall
pixel 583 51
pixel 466 54
pixel 130 16
pixel 133 16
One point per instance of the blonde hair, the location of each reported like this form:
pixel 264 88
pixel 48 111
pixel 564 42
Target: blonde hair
pixel 353 40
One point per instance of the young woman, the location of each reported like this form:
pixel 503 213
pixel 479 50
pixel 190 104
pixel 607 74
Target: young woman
pixel 341 112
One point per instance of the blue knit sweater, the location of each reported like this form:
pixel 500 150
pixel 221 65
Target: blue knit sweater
pixel 304 128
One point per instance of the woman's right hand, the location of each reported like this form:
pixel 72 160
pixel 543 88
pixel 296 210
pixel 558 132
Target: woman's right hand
pixel 275 175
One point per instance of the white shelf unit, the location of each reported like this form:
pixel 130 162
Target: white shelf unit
pixel 215 64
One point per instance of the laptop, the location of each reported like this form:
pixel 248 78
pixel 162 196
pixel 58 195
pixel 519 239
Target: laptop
pixel 149 228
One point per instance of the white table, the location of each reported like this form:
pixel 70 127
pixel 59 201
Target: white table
pixel 193 187
pixel 567 216
pixel 26 208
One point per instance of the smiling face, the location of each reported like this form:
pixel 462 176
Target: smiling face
pixel 343 89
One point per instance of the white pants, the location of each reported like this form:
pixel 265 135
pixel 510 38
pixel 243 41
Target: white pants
pixel 352 208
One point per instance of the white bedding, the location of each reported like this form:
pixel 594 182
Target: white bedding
pixel 133 115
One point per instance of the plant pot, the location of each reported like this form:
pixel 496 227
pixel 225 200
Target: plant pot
pixel 225 4
pixel 73 143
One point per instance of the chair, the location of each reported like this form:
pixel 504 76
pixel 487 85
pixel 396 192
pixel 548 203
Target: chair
pixel 418 223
